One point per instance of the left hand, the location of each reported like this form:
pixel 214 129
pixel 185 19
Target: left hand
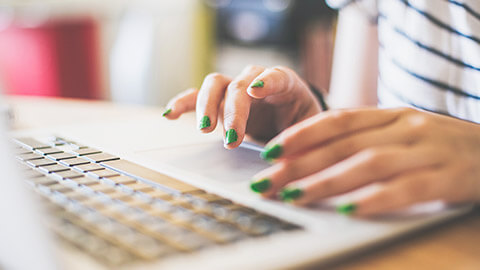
pixel 416 156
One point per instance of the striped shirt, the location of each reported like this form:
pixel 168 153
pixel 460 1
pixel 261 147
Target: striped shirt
pixel 429 54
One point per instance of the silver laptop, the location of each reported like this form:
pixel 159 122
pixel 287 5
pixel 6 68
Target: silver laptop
pixel 152 194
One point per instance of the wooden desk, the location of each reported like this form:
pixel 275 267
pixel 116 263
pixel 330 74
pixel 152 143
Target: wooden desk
pixel 455 245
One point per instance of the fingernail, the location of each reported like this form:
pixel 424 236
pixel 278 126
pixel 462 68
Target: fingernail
pixel 290 194
pixel 346 209
pixel 167 112
pixel 205 122
pixel 261 185
pixel 257 84
pixel 231 136
pixel 272 152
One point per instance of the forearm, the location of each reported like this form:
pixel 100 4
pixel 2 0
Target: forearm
pixel 355 65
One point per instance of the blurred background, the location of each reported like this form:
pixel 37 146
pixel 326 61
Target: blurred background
pixel 146 51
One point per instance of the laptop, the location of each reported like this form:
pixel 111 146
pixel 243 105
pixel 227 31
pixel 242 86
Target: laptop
pixel 147 193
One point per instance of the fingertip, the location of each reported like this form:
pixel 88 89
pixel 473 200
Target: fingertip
pixel 171 114
pixel 232 139
pixel 255 93
pixel 272 152
pixel 167 112
pixel 256 89
pixel 347 209
pixel 206 125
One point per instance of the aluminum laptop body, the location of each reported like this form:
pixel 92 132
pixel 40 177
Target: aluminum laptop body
pixel 178 151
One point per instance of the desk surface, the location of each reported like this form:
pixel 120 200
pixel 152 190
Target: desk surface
pixel 454 245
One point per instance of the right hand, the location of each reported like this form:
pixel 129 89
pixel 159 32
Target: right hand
pixel 260 112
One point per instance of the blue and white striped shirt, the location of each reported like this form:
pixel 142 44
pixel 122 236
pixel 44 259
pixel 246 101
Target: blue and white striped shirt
pixel 429 55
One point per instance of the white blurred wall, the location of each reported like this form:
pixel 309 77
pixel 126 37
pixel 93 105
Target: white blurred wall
pixel 151 57
pixel 148 48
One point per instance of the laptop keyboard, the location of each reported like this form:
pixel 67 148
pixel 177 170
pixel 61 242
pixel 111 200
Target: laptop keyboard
pixel 120 212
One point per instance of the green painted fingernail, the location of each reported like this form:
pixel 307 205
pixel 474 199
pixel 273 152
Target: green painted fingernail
pixel 205 122
pixel 290 194
pixel 167 112
pixel 231 136
pixel 346 209
pixel 261 185
pixel 257 84
pixel 272 152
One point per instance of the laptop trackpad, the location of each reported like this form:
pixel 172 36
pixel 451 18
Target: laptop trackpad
pixel 212 160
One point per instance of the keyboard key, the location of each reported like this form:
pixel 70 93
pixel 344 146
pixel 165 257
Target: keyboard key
pixel 160 194
pixel 61 156
pixel 200 199
pixel 31 143
pixel 32 174
pixel 40 162
pixel 149 247
pixel 102 188
pixel 264 225
pixel 29 156
pixel 78 197
pixel 48 151
pixel 44 181
pixel 120 196
pixel 74 161
pixel 21 151
pixel 102 157
pixel 53 168
pixel 69 174
pixel 87 181
pixel 145 173
pixel 60 188
pixel 140 187
pixel 122 180
pixel 104 173
pixel 89 167
pixel 86 151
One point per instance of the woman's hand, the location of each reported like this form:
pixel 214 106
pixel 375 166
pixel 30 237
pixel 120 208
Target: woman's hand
pixel 415 156
pixel 260 102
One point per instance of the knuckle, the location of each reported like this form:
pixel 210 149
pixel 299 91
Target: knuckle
pixel 290 169
pixel 283 69
pixel 341 117
pixel 237 85
pixel 252 68
pixel 215 76
pixel 375 159
pixel 413 189
pixel 407 110
pixel 228 116
pixel 418 124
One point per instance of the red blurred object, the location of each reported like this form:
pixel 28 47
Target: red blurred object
pixel 59 58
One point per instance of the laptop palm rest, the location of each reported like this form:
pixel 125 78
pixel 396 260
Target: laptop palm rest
pixel 211 160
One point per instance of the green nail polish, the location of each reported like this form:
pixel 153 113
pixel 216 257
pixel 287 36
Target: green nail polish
pixel 167 112
pixel 205 122
pixel 257 84
pixel 290 194
pixel 261 185
pixel 272 152
pixel 347 208
pixel 231 136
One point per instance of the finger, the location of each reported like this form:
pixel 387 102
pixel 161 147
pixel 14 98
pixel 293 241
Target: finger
pixel 209 98
pixel 275 83
pixel 405 190
pixel 181 103
pixel 368 166
pixel 310 162
pixel 237 106
pixel 325 127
